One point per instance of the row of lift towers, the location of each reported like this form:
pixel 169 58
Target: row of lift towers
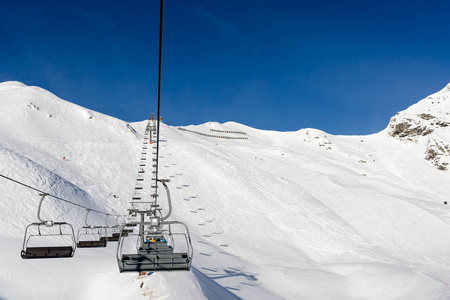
pixel 161 244
pixel 146 240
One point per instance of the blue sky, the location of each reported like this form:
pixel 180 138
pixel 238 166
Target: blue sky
pixel 344 67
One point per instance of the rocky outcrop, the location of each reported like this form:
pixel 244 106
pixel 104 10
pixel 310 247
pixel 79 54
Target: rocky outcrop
pixel 426 122
pixel 410 129
pixel 316 137
pixel 438 153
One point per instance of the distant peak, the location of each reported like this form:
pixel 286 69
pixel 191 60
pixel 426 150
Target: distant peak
pixel 8 85
pixel 443 92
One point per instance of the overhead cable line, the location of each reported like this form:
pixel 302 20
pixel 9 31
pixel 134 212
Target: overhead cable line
pixel 161 22
pixel 58 198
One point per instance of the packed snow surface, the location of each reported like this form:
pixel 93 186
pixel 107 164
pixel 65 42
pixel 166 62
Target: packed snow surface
pixel 279 215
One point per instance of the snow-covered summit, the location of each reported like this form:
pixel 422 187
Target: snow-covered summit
pixel 426 123
pixel 424 117
pixel 30 112
pixel 8 85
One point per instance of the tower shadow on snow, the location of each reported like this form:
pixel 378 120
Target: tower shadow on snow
pixel 211 289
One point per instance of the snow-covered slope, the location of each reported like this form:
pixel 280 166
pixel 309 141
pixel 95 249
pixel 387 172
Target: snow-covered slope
pixel 279 215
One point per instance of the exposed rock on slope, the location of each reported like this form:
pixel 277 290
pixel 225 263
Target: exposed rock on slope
pixel 426 122
pixel 438 152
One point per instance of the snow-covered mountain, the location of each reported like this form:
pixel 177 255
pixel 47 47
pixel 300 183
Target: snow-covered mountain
pixel 272 215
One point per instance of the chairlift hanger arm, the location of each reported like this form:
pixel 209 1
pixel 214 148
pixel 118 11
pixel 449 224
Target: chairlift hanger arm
pixel 86 218
pixel 49 223
pixel 163 181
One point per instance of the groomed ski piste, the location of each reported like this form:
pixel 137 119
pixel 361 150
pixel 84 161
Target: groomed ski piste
pixel 279 215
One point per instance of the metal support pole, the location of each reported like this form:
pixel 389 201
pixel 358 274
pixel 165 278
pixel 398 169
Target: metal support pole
pixel 141 231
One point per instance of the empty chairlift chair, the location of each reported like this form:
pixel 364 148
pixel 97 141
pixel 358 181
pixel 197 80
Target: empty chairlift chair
pixel 115 235
pixel 113 231
pixel 48 239
pixel 90 236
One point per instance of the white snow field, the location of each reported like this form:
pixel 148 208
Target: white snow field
pixel 280 215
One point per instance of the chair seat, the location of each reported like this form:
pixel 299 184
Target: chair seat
pixel 92 244
pixel 154 262
pixel 113 238
pixel 47 252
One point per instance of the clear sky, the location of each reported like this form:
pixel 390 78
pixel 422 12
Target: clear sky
pixel 344 67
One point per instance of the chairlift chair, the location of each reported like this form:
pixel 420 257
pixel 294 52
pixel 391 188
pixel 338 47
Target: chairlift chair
pixel 114 237
pixel 158 252
pixel 60 235
pixel 90 236
pixel 53 251
pixel 112 231
pixel 158 248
